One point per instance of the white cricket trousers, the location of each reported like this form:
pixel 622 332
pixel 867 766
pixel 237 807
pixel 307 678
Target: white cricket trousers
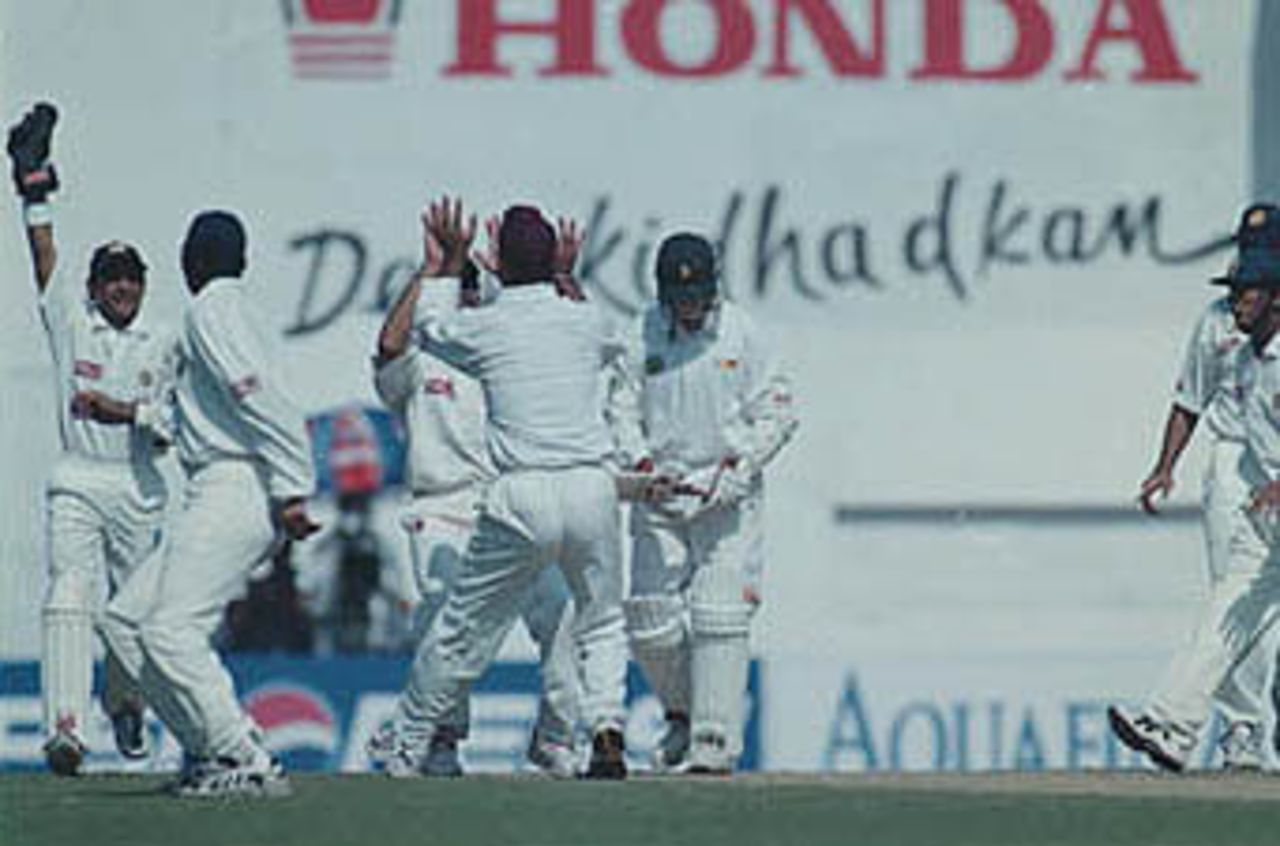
pixel 160 626
pixel 104 519
pixel 531 520
pixel 1226 661
pixel 439 527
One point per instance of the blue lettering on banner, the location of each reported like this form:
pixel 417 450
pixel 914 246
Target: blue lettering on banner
pixel 964 735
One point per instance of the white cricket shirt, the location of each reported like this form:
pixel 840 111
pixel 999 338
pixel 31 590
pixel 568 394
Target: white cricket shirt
pixel 700 396
pixel 538 357
pixel 442 410
pixel 1204 385
pixel 133 364
pixel 231 403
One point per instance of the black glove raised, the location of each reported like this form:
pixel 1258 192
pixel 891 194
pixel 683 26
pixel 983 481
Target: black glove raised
pixel 28 147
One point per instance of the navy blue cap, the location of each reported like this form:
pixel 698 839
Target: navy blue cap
pixel 1259 227
pixel 116 260
pixel 1254 267
pixel 686 268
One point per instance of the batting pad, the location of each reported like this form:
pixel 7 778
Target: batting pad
pixel 721 625
pixel 660 643
pixel 66 668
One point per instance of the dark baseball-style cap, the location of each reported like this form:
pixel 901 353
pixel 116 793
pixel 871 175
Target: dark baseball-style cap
pixel 1259 226
pixel 1254 267
pixel 116 260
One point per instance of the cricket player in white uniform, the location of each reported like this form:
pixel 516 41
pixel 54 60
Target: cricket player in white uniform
pixel 105 496
pixel 443 414
pixel 539 358
pixel 1228 657
pixel 245 450
pixel 712 410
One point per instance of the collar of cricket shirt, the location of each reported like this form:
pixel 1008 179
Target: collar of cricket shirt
pixel 98 322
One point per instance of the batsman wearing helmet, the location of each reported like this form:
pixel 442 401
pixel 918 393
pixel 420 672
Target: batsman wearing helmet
pixel 699 400
pixel 105 496
pixel 1227 658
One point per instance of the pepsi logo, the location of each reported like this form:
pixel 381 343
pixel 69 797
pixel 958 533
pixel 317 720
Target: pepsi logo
pixel 296 721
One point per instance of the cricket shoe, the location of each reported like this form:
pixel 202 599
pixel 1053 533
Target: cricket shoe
pixel 64 752
pixel 558 760
pixel 608 756
pixel 672 752
pixel 396 751
pixel 255 775
pixel 1241 746
pixel 441 760
pixel 391 754
pixel 1163 742
pixel 709 754
pixel 129 729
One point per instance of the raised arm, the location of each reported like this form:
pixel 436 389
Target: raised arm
pixel 35 179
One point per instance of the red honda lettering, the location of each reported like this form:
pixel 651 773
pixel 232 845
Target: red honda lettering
pixel 1148 30
pixel 944 42
pixel 833 37
pixel 735 34
pixel 572 28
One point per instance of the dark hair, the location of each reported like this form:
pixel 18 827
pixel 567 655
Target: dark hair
pixel 214 246
pixel 116 260
pixel 526 246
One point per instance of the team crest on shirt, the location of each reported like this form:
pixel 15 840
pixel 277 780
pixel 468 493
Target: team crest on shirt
pixel 440 386
pixel 145 379
pixel 653 365
pixel 86 369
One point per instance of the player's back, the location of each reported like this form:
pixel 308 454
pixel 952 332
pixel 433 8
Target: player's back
pixel 538 356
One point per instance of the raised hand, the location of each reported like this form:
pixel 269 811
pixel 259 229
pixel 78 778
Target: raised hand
pixel 489 257
pixel 569 238
pixel 432 252
pixel 454 232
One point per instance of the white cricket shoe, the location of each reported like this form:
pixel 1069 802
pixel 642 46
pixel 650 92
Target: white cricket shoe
pixel 1241 747
pixel 1165 743
pixel 396 751
pixel 64 752
pixel 709 754
pixel 257 776
pixel 248 771
pixel 672 752
pixel 558 760
pixel 389 753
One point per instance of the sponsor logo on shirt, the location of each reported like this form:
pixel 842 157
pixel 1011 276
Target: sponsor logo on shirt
pixel 653 365
pixel 1226 345
pixel 87 369
pixel 145 379
pixel 729 364
pixel 248 385
pixel 441 386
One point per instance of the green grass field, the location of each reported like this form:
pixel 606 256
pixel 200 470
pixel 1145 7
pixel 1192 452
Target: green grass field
pixel 1088 809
